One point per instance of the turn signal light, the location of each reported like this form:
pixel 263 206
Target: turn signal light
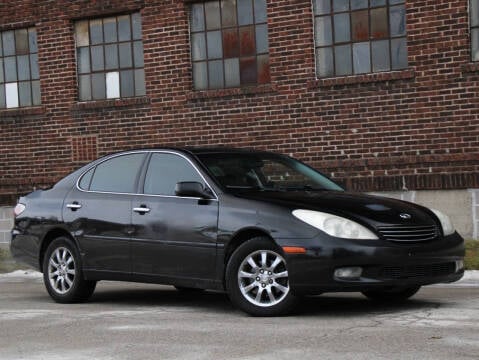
pixel 294 250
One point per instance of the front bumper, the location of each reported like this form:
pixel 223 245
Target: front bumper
pixel 383 263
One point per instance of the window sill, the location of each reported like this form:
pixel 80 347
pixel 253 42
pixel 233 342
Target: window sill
pixel 470 67
pixel 220 93
pixel 18 112
pixel 363 78
pixel 110 103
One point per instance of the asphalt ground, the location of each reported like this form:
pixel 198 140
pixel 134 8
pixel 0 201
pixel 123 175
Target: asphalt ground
pixel 141 321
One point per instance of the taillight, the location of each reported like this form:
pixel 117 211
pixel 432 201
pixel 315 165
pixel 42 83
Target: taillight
pixel 19 209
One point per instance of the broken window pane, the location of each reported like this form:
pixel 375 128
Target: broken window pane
pixel 232 73
pixel 82 37
pixel 248 70
pixel 21 41
pixel 10 64
pixel 379 23
pixel 260 11
pixel 109 28
pixel 264 75
pixel 228 13
pixel 245 12
pixel 230 43
pixel 96 31
pixel 342 59
pixel 215 45
pixel 84 85
pixel 397 19
pixel 11 95
pixel 262 45
pixel 136 24
pixel 322 7
pixel 83 60
pixel 124 29
pixel 98 86
pixel 140 89
pixel 341 28
pixel 361 58
pixel 125 55
pixel 247 41
pixel 325 62
pixel 111 56
pixel 36 96
pixel 198 46
pixel 23 64
pixel 215 74
pixel 324 33
pixel 380 55
pixel 360 25
pixel 112 85
pixel 212 11
pixel 197 17
pixel 398 53
pixel 25 93
pixel 200 76
pixel 8 40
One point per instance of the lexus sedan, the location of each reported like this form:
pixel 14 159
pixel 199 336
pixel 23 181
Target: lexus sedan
pixel 263 227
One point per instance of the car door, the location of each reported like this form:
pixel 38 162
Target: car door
pixel 174 237
pixel 98 212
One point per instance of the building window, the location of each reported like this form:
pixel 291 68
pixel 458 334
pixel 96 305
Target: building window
pixel 229 43
pixel 110 57
pixel 474 21
pixel 359 36
pixel 19 76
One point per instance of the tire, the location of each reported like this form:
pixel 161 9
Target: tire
pixel 62 273
pixel 392 295
pixel 257 279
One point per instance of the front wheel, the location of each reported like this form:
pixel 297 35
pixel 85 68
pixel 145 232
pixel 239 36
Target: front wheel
pixel 257 279
pixel 62 273
pixel 392 294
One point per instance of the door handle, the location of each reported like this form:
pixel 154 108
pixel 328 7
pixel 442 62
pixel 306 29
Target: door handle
pixel 142 210
pixel 74 206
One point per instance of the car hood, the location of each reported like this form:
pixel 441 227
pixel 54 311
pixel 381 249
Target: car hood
pixel 375 210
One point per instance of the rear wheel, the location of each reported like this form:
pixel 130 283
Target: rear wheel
pixel 62 273
pixel 257 279
pixel 392 294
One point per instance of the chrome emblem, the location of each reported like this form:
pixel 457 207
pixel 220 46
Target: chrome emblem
pixel 405 216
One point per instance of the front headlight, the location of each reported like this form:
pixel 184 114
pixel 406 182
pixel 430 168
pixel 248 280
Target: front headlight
pixel 334 225
pixel 446 223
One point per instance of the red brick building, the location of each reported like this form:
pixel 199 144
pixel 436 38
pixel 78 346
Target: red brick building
pixel 380 94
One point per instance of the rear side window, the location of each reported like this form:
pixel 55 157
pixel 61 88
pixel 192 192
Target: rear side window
pixel 117 175
pixel 165 170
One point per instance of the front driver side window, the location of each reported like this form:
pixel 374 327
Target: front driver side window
pixel 165 170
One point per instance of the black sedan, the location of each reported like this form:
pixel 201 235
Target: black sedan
pixel 264 227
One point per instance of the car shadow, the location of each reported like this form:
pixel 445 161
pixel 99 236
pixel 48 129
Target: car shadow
pixel 326 305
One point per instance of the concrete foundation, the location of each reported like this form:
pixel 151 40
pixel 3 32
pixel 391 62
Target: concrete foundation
pixel 461 205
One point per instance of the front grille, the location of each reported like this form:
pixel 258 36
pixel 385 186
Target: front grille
pixel 408 233
pixel 415 271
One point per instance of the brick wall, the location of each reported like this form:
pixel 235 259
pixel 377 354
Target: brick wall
pixel 411 129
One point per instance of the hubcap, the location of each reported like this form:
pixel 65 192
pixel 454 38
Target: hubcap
pixel 61 270
pixel 263 278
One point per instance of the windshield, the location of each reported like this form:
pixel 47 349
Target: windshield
pixel 264 171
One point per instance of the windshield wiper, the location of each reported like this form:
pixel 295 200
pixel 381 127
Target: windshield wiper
pixel 302 188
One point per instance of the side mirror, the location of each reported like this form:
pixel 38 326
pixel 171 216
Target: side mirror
pixel 192 189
